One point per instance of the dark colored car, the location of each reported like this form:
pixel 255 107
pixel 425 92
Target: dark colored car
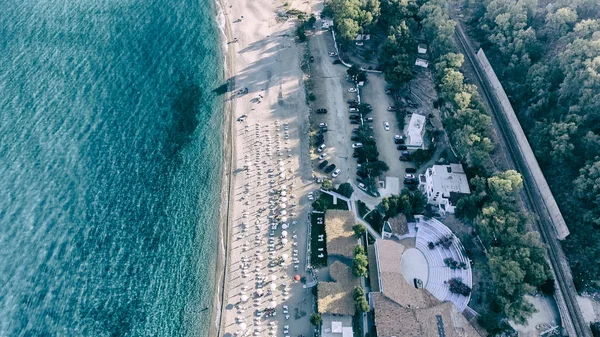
pixel 411 187
pixel 323 164
pixel 320 136
pixel 404 158
pixel 336 61
pixel 410 182
pixel 321 111
pixel 361 174
pixel 405 153
pixel 352 101
pixel 354 138
pixel 355 130
pixel 401 147
pixel 319 142
pixel 354 121
pixel 410 170
pixel 355 155
pixel 354 117
pixel 398 141
pixel 330 168
pixel 358 179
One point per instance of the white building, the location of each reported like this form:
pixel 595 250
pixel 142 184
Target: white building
pixel 444 185
pixel 422 63
pixel 422 48
pixel 416 129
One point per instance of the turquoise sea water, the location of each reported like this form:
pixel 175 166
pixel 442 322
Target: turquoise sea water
pixel 110 166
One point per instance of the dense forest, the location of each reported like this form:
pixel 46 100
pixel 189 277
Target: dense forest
pixel 547 56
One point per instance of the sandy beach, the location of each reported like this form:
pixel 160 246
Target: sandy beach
pixel 269 176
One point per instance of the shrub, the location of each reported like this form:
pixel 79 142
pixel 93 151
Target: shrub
pixel 312 97
pixel 316 319
pixel 301 33
pixel 430 245
pixel 359 230
pixel 458 287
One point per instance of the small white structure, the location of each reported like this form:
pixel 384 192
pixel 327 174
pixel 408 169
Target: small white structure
pixel 444 185
pixel 422 48
pixel 416 129
pixel 326 23
pixel 363 37
pixel 422 63
pixel 337 326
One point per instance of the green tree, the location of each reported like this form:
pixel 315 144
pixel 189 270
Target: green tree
pixel 504 186
pixel 359 265
pixel 359 230
pixel 359 250
pixel 346 190
pixel 587 185
pixel 327 184
pixel 400 71
pixel 559 23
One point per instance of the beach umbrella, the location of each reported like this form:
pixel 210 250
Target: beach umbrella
pixel 283 212
pixel 243 326
pixel 282 205
pixel 244 298
pixel 273 286
pixel 297 277
pixel 284 233
pixel 273 304
pixel 282 175
pixel 283 199
pixel 284 226
pixel 284 256
pixel 281 163
pixel 273 277
pixel 259 291
pixel 284 219
pixel 281 169
pixel 284 241
pixel 283 193
pixel 259 257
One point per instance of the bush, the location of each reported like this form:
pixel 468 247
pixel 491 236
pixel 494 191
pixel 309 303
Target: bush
pixel 326 184
pixel 316 319
pixel 430 245
pixel 359 230
pixel 312 97
pixel 458 287
pixel 301 33
pixel 312 20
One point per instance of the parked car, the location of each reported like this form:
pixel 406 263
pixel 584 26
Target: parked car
pixel 352 90
pixel 330 168
pixel 405 153
pixel 402 147
pixel 357 145
pixel 321 148
pixel 358 179
pixel 352 101
pixel 386 126
pixel 336 61
pixel 353 110
pixel 359 43
pixel 336 173
pixel 410 170
pixel 398 137
pixel 321 111
pixel 242 118
pixel 332 54
pixel 354 121
pixel 391 108
pixel 323 156
pixel 323 164
pixel 409 176
pixel 322 125
pixel 368 120
pixel 404 158
pixel 411 182
pixel 354 117
pixel 362 186
pixel 355 130
pixel 361 174
pixel 355 138
pixel 398 141
pixel 355 155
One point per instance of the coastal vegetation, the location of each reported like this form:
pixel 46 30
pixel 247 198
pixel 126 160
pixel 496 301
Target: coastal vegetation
pixel 545 57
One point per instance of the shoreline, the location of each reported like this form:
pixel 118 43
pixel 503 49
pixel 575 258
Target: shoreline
pixel 229 149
